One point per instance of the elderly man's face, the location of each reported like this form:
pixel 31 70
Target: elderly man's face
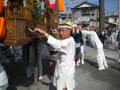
pixel 64 33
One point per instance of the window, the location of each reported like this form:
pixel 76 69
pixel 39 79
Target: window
pixel 92 11
pixel 85 12
pixel 88 12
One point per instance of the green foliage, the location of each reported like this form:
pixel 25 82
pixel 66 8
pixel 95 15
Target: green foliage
pixel 48 12
pixel 37 13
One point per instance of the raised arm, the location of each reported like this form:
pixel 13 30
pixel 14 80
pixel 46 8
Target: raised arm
pixel 55 43
pixel 42 32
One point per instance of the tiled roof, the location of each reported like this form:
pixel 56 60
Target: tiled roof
pixel 93 5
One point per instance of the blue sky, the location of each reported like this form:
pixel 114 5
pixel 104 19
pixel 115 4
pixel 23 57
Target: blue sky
pixel 111 6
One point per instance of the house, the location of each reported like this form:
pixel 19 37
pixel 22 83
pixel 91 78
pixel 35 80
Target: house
pixel 113 20
pixel 86 13
pixel 64 17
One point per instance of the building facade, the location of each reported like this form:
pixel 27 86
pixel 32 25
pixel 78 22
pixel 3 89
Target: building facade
pixel 86 13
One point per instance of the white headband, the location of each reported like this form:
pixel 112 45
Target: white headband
pixel 74 25
pixel 64 26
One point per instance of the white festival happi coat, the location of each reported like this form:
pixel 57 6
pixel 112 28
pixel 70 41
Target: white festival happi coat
pixel 98 44
pixel 94 38
pixel 64 76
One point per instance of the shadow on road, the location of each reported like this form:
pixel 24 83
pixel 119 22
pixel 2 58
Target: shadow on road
pixel 110 76
pixel 11 88
pixel 116 68
pixel 51 87
pixel 109 58
pixel 16 73
pixel 92 63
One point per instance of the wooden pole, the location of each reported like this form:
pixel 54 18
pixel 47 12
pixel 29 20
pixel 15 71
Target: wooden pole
pixel 119 14
pixel 101 14
pixel 57 12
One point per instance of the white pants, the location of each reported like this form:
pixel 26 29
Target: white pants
pixel 82 53
pixel 101 58
pixel 64 80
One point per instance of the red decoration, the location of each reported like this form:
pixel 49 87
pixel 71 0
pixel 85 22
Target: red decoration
pixel 1 6
pixel 2 28
pixel 51 4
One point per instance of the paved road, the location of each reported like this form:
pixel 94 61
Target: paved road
pixel 88 77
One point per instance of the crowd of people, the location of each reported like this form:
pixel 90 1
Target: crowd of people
pixel 70 47
pixel 64 47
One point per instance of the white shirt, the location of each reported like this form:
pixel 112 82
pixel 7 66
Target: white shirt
pixel 65 66
pixel 94 38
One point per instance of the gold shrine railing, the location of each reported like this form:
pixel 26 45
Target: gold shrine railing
pixel 22 13
pixel 17 20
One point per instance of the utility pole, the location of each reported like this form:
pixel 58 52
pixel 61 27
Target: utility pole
pixel 101 14
pixel 57 12
pixel 67 10
pixel 119 14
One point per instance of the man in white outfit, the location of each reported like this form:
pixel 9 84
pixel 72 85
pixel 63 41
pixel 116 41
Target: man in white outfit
pixel 64 76
pixel 102 63
pixel 82 46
